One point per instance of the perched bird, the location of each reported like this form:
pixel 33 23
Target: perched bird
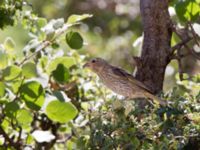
pixel 119 81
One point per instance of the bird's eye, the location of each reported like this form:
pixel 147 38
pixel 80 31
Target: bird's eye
pixel 93 61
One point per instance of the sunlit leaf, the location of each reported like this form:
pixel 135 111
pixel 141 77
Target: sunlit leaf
pixel 33 94
pixel 66 61
pixel 29 70
pixel 11 72
pixel 24 118
pixel 74 40
pixel 9 44
pixel 77 18
pixel 14 87
pixel 61 111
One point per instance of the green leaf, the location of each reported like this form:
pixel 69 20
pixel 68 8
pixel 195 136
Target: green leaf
pixel 4 59
pixel 11 73
pixel 33 94
pixel 135 142
pixel 61 112
pixel 77 18
pixel 24 118
pixel 2 89
pixel 74 40
pixel 59 95
pixel 11 109
pixel 188 10
pixel 43 61
pixel 41 22
pixel 14 87
pixel 9 44
pixel 66 61
pixel 61 74
pixel 29 70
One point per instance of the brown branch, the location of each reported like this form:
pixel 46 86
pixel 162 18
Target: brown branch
pixel 183 43
pixel 20 134
pixel 191 50
pixel 179 45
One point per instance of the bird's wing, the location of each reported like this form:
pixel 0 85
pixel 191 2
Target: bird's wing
pixel 123 74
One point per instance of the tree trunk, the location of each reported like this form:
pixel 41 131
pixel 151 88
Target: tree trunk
pixel 156 44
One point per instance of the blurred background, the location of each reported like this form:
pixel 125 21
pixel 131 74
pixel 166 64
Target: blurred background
pixel 114 33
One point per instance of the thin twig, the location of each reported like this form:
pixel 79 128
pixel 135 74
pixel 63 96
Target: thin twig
pixel 20 134
pixel 41 46
pixel 191 50
pixel 7 138
pixel 179 45
pixel 46 43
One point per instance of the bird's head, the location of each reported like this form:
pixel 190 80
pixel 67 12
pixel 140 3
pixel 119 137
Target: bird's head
pixel 96 64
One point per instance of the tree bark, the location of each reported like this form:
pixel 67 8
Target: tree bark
pixel 155 54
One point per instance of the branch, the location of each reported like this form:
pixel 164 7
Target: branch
pixel 7 138
pixel 185 39
pixel 179 45
pixel 46 43
pixel 40 47
pixel 191 50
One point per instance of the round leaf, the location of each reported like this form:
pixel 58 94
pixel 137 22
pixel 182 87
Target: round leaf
pixel 66 61
pixel 74 40
pixel 61 112
pixel 11 73
pixel 29 70
pixel 33 94
pixel 61 74
pixel 9 44
pixel 24 118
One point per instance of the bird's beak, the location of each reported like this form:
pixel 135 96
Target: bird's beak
pixel 86 65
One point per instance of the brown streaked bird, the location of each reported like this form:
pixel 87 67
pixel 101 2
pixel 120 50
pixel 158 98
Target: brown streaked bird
pixel 119 81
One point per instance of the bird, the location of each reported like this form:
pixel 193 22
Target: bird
pixel 120 81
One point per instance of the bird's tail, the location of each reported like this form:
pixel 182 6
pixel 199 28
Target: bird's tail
pixel 157 99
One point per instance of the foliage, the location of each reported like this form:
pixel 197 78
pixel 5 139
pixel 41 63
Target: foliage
pixel 48 100
pixel 8 9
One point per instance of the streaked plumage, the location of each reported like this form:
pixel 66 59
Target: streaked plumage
pixel 119 81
